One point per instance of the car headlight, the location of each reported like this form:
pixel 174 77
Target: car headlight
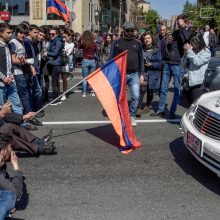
pixel 190 112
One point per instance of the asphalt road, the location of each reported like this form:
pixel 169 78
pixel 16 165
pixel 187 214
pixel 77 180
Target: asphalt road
pixel 89 179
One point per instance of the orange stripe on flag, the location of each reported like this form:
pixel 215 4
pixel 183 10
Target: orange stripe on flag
pixel 106 95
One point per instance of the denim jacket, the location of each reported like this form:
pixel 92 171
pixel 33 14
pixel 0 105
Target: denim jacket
pixel 198 63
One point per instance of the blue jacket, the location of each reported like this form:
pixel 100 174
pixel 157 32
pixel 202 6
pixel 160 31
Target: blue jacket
pixel 55 50
pixel 152 73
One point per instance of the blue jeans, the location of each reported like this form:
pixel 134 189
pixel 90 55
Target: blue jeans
pixel 7 203
pixel 133 82
pixel 36 94
pixel 10 93
pixel 70 63
pixel 176 71
pixel 88 66
pixel 24 92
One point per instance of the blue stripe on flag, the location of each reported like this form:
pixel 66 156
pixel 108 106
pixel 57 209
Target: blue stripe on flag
pixel 113 75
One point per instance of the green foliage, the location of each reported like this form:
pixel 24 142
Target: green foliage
pixel 151 17
pixel 192 11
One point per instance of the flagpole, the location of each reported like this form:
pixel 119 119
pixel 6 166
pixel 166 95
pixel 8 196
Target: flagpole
pixel 60 96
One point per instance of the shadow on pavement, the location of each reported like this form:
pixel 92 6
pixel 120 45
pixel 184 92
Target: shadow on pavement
pixel 194 168
pixel 106 133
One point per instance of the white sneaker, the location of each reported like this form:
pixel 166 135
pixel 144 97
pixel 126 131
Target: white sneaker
pixel 133 121
pixel 92 93
pixel 57 102
pixel 63 98
pixel 84 95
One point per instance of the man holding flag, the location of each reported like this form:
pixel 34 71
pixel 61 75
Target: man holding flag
pixel 135 64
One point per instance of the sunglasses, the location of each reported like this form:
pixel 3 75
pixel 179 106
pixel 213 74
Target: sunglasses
pixel 52 34
pixel 129 30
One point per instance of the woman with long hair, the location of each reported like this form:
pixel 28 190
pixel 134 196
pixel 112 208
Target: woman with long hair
pixel 68 68
pixel 55 62
pixel 105 48
pixel 195 60
pixel 88 45
pixel 152 63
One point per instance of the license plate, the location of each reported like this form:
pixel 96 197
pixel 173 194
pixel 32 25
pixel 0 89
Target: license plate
pixel 194 143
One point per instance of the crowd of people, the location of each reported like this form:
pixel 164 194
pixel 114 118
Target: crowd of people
pixel 32 58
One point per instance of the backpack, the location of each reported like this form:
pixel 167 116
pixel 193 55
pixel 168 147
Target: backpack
pixel 64 57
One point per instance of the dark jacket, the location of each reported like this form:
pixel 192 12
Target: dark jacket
pixel 55 51
pixel 173 54
pixel 152 73
pixel 212 40
pixel 161 43
pixel 135 61
pixel 32 53
pixel 13 182
pixel 182 36
pixel 12 118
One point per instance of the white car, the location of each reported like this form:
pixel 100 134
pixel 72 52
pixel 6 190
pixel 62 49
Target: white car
pixel 200 127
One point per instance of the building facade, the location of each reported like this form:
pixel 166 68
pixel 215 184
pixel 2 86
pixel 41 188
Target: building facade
pixel 102 15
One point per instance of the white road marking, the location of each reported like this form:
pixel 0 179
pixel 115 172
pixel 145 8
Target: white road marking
pixel 107 122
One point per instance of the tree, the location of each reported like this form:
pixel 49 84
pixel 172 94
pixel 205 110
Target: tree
pixel 151 19
pixel 192 11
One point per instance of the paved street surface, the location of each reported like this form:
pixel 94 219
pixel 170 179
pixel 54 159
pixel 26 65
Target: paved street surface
pixel 89 179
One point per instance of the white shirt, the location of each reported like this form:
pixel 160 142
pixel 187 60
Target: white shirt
pixel 206 38
pixel 69 48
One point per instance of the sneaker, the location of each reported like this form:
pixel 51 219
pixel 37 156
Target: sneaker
pixel 84 95
pixel 92 93
pixel 133 122
pixel 57 102
pixel 63 98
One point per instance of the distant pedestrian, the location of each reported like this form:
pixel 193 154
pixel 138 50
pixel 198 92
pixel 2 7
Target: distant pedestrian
pixel 88 45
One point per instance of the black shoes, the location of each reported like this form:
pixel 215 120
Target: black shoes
pixel 48 138
pixel 35 122
pixel 30 127
pixel 40 114
pixel 158 113
pixel 172 116
pixel 48 149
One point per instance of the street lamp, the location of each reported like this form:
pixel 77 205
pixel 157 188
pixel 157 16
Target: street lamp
pixel 90 14
pixel 120 12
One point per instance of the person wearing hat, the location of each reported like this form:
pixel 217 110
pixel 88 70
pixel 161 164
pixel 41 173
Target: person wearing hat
pixel 11 186
pixel 135 64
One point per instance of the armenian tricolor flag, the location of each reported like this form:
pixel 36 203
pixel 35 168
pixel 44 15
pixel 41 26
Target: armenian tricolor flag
pixel 109 84
pixel 59 8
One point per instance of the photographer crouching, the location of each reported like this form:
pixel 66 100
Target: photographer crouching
pixel 11 186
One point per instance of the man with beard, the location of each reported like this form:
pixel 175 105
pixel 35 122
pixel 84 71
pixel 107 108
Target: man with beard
pixel 135 64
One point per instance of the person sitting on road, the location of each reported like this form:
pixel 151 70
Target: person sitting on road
pixel 11 186
pixel 23 140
